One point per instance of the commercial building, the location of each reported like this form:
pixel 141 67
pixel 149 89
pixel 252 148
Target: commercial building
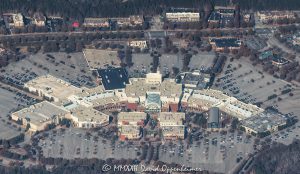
pixel 18 20
pixel 183 17
pixel 13 20
pixel 214 18
pixel 171 124
pixel 296 40
pixel 39 19
pixel 129 124
pixel 279 61
pixel 39 115
pixel 8 20
pixel 266 55
pixel 153 102
pixel 86 107
pixel 213 118
pixel 220 44
pixel 113 78
pixel 173 132
pixel 264 123
pixel 266 16
pixel 222 15
pixel 142 44
pixel 96 22
pixel 101 99
pixel 52 88
pixel 194 80
pixel 136 19
pixel 133 20
pixel 171 118
pixel 203 100
pixel 165 93
pixel 2 50
pixel 84 117
pixel 225 11
pixel 246 17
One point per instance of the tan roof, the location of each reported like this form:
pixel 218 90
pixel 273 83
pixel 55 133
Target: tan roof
pixel 129 129
pixel 210 98
pixel 41 112
pixel 53 86
pixel 139 87
pixel 173 130
pixel 106 100
pixel 89 114
pixel 131 117
pixel 174 118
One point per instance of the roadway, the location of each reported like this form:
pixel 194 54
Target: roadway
pixel 123 31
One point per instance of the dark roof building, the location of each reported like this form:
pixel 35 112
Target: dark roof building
pixel 220 44
pixel 114 78
pixel 266 55
pixel 214 17
pixel 213 118
pixel 195 80
pixel 279 61
pixel 226 12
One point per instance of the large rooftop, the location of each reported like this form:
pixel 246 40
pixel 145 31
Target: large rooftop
pixel 89 115
pixel 173 130
pixel 226 42
pixel 131 117
pixel 139 87
pixel 53 86
pixel 41 112
pixel 171 118
pixel 195 79
pixel 214 16
pixel 214 98
pixel 265 121
pixel 114 78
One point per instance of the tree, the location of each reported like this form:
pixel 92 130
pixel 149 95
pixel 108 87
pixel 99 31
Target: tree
pixel 234 123
pixel 128 57
pixel 175 70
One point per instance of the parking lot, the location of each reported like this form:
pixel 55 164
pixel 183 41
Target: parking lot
pixel 288 135
pixel 167 61
pixel 248 83
pixel 213 152
pixel 143 62
pixel 9 101
pixel 70 67
pixel 255 43
pixel 75 143
pixel 202 60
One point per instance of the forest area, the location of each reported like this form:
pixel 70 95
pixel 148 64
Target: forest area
pixel 278 159
pixel 79 9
